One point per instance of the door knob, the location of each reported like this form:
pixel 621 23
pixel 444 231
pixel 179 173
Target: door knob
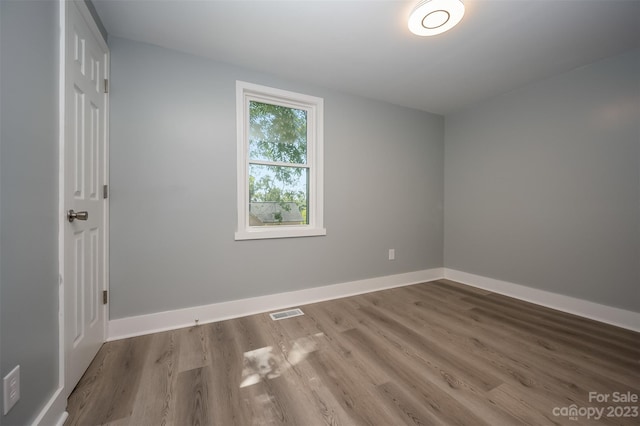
pixel 71 215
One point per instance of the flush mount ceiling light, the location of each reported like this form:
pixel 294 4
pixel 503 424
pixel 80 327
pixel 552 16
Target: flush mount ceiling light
pixel 431 17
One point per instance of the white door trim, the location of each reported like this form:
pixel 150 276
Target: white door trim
pixel 62 51
pixel 54 411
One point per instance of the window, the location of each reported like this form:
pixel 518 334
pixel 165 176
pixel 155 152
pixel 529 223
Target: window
pixel 279 163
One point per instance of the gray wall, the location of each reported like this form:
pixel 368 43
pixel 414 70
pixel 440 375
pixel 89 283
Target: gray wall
pixel 96 18
pixel 542 185
pixel 173 203
pixel 29 201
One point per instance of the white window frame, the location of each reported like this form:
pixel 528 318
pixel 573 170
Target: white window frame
pixel 246 92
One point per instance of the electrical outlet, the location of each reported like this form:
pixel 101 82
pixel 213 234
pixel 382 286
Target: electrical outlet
pixel 11 386
pixel 392 254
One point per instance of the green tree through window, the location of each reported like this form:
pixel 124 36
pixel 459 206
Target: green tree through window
pixel 278 172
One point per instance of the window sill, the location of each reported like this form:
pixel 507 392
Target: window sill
pixel 280 232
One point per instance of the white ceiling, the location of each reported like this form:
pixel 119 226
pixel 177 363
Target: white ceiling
pixel 364 47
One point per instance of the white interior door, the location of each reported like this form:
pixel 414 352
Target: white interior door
pixel 84 172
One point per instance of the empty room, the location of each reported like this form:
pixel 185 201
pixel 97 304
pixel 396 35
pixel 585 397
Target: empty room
pixel 320 212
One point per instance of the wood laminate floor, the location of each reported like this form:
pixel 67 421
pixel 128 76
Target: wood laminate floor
pixel 437 353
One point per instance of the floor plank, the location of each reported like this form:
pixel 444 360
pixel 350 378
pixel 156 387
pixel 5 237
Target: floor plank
pixel 155 399
pixel 107 390
pixel 432 353
pixel 192 402
pixel 193 348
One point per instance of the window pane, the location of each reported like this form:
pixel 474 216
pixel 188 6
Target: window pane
pixel 277 133
pixel 278 195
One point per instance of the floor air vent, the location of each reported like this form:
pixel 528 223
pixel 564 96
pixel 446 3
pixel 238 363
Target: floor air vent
pixel 286 314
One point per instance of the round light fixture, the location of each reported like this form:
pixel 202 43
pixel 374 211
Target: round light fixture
pixel 431 17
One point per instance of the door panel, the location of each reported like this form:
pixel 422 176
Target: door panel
pixel 85 172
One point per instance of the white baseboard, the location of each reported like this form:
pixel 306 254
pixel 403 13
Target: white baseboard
pixel 170 320
pixel 53 412
pixel 603 313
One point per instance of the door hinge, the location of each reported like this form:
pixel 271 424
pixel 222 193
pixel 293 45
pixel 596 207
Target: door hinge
pixel 106 85
pixel 105 191
pixel 105 297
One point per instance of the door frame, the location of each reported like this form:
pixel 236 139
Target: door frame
pixel 84 10
pixel 54 410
